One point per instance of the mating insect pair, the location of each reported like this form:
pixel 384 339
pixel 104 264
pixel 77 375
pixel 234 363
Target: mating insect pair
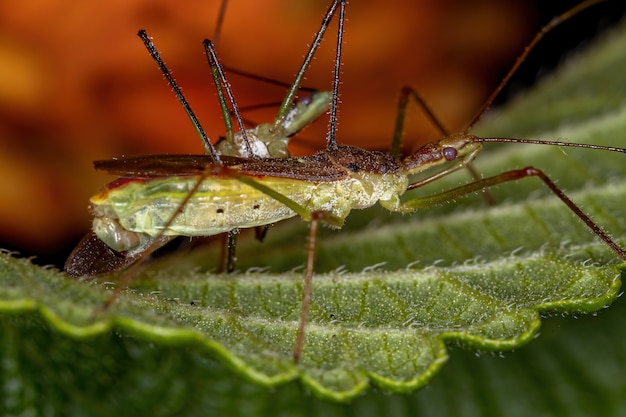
pixel 197 195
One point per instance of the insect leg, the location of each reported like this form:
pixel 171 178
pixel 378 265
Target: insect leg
pixel 407 93
pixel 313 217
pixel 222 86
pixel 428 201
pixel 209 149
pixel 228 256
pixel 308 280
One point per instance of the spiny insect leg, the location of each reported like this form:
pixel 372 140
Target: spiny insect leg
pixel 513 175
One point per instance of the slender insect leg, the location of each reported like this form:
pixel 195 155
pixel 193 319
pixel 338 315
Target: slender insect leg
pixel 407 93
pixel 428 201
pixel 209 149
pixel 291 93
pixel 260 232
pixel 315 216
pixel 290 96
pixel 311 216
pixel 331 139
pixel 222 86
pixel 308 281
pixel 228 256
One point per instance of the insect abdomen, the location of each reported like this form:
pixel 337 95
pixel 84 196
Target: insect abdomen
pixel 219 205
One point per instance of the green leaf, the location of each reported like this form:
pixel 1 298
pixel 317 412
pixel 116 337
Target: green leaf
pixel 186 340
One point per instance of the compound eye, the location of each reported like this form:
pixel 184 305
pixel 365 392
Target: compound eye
pixel 450 154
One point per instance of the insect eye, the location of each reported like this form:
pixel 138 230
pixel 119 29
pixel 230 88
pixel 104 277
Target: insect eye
pixel 450 154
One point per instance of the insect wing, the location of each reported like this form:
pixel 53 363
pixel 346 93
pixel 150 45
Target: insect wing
pixel 155 166
pixel 319 167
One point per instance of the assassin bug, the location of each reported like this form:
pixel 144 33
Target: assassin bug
pixel 192 195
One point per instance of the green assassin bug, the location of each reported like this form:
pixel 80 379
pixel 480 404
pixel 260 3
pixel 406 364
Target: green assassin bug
pixel 198 195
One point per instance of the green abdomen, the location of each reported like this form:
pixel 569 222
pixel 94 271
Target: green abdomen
pixel 221 204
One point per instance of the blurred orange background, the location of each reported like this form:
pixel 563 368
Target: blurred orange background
pixel 76 85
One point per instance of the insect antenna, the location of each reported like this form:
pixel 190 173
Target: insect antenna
pixel 553 143
pixel 542 32
pixel 209 149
